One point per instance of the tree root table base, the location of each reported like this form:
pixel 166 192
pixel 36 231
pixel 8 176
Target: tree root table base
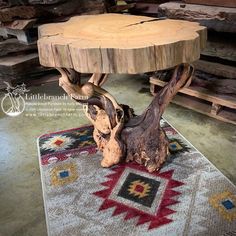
pixel 119 134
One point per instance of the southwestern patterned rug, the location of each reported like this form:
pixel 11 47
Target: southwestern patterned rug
pixel 188 196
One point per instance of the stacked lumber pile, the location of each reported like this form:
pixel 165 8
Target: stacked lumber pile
pixel 144 7
pixel 19 21
pixel 213 88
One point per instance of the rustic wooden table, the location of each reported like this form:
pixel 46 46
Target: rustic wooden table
pixel 114 43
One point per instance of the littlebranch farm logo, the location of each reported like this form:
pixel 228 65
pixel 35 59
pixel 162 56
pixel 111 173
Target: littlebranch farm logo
pixel 13 104
pixel 17 100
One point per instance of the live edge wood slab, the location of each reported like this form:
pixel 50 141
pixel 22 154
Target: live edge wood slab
pixel 114 43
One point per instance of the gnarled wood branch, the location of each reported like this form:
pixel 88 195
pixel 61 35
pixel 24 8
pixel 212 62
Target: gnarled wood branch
pixel 118 133
pixel 103 111
pixel 151 146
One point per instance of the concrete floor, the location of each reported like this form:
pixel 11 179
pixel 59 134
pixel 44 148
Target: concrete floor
pixel 21 203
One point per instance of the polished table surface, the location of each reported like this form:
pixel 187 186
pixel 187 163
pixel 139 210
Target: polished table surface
pixel 115 43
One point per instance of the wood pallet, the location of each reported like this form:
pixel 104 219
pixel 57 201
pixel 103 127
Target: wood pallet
pixel 221 107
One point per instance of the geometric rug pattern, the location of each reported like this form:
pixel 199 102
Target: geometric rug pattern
pixel 139 194
pixel 187 196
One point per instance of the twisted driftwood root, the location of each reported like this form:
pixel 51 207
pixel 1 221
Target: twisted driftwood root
pixel 145 140
pixel 120 134
pixel 107 116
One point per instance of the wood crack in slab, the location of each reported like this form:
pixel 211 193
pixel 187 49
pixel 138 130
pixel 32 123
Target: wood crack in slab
pixel 146 21
pixel 155 56
pixel 51 35
pixel 69 53
pixel 100 50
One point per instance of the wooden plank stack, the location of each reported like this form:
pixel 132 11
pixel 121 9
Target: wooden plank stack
pixel 213 88
pixel 220 3
pixel 144 7
pixel 19 21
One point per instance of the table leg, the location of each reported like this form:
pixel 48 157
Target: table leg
pixel 145 140
pixel 119 134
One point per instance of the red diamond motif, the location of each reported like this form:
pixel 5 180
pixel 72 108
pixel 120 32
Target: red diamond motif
pixel 139 188
pixel 155 220
pixel 58 142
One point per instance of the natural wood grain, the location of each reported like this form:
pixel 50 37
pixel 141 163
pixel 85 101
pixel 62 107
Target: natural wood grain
pixel 11 65
pixel 27 36
pixel 114 43
pixel 220 3
pixel 13 46
pixel 120 8
pixel 44 1
pixel 145 8
pixel 215 109
pixel 215 84
pixel 118 133
pixel 145 140
pixel 19 24
pixel 221 19
pixel 65 8
pixel 103 111
pixel 29 77
pixel 10 3
pixel 20 12
pixel 221 45
pixel 216 69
